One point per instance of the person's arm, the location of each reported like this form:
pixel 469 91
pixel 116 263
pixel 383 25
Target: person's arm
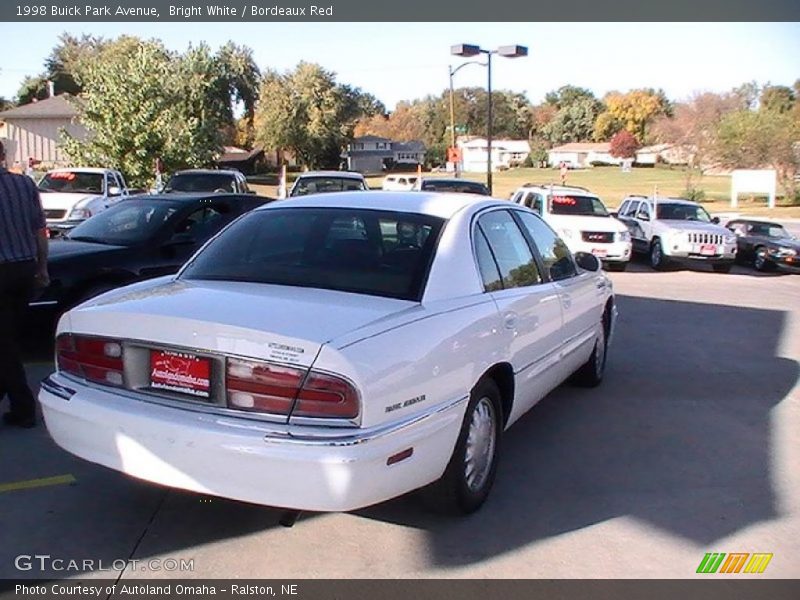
pixel 42 243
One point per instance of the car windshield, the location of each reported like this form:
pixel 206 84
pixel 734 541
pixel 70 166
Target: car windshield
pixel 126 224
pixel 75 182
pixel 201 182
pixel 682 212
pixel 380 253
pixel 461 187
pixel 577 205
pixel 322 185
pixel 769 230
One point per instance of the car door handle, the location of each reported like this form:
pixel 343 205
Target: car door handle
pixel 510 320
pixel 600 284
pixel 566 301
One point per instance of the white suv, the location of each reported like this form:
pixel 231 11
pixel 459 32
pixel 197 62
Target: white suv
pixel 582 220
pixel 672 229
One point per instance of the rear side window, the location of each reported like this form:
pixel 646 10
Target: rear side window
pixel 486 264
pixel 381 253
pixel 510 250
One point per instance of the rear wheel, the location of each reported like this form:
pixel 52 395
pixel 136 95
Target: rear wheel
pixel 657 259
pixel 470 473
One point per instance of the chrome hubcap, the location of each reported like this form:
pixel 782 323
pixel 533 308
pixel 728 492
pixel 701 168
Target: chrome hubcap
pixel 761 259
pixel 481 439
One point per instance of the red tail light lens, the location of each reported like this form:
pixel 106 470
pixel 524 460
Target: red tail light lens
pixel 94 359
pixel 262 387
pixel 326 395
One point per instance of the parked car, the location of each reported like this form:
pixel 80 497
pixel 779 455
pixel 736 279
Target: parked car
pixel 581 219
pixel 132 241
pixel 331 352
pixel 456 185
pixel 225 181
pixel 323 182
pixel 399 183
pixel 767 245
pixel 673 230
pixel 70 196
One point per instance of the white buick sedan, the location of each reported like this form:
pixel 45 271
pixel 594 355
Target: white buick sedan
pixel 331 352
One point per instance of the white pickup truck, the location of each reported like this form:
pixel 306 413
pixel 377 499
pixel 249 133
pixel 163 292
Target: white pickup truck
pixel 72 195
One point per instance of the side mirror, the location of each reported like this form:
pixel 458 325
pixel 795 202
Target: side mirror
pixel 643 217
pixel 114 190
pixel 614 214
pixel 715 220
pixel 587 261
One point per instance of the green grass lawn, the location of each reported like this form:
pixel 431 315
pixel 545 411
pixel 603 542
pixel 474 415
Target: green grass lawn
pixel 612 185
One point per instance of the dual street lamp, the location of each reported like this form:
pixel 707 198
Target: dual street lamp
pixel 468 51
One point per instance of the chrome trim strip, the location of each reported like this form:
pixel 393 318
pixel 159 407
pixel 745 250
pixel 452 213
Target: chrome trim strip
pixel 43 303
pixel 56 389
pixel 366 435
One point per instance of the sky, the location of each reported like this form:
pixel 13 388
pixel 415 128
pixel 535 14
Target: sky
pixel 403 61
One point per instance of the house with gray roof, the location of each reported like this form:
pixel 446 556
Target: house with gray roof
pixel 370 154
pixel 32 130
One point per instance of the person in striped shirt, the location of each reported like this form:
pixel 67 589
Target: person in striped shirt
pixel 23 266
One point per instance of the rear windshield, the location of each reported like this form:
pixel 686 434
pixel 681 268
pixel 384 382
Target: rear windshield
pixel 461 187
pixel 380 253
pixel 201 182
pixel 577 205
pixel 73 182
pixel 321 185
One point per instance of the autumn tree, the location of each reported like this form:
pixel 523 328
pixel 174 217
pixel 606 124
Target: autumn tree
pixel 624 145
pixel 632 111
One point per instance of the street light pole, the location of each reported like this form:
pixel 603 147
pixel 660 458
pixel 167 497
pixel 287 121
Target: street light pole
pixel 452 109
pixel 467 50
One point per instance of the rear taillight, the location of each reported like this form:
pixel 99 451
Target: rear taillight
pixel 261 387
pixel 91 358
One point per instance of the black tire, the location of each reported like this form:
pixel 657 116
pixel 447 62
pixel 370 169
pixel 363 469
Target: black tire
pixel 761 259
pixel 722 268
pixel 616 266
pixel 658 261
pixel 591 373
pixel 456 492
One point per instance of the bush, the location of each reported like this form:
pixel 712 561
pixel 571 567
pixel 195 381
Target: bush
pixel 694 194
pixel 528 162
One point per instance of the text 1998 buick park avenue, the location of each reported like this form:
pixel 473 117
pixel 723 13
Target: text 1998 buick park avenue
pixel 328 353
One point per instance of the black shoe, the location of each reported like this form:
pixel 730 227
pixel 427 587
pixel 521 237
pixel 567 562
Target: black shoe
pixel 17 421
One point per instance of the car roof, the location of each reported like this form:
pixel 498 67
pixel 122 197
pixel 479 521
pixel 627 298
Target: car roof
pixel 81 170
pixel 435 204
pixel 342 174
pixel 664 199
pixel 207 172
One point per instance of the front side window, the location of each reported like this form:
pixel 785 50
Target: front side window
pixel 381 253
pixel 514 258
pixel 556 256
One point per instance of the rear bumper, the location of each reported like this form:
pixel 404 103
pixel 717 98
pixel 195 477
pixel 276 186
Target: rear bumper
pixel 291 467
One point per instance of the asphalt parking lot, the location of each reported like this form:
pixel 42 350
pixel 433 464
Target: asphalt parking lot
pixel 691 445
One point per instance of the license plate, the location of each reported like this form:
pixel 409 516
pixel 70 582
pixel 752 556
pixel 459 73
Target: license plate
pixel 708 249
pixel 599 252
pixel 180 372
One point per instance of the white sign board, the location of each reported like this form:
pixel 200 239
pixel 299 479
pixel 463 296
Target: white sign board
pixel 753 181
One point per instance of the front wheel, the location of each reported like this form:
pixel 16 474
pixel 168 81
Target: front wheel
pixel 470 473
pixel 591 373
pixel 657 259
pixel 761 261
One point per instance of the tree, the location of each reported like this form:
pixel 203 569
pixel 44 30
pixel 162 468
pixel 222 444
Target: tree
pixel 141 101
pixel 242 78
pixel 757 139
pixel 5 104
pixel 777 98
pixel 62 67
pixel 635 110
pixel 605 126
pixel 624 145
pixel 574 122
pixel 568 95
pixel 308 112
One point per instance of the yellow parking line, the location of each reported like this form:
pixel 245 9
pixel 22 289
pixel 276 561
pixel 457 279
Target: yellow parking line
pixel 35 483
